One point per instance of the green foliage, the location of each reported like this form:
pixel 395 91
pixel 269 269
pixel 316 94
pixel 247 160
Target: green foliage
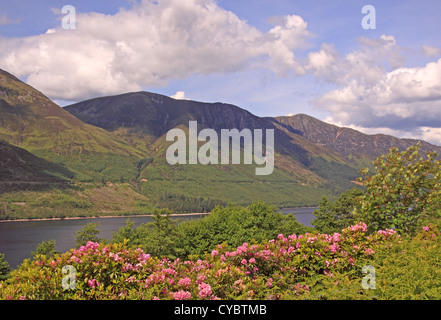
pixel 234 225
pixel 159 237
pixel 332 217
pixel 305 266
pixel 180 187
pixel 46 248
pixel 405 269
pixel 397 195
pixel 4 267
pixel 89 232
pixel 186 204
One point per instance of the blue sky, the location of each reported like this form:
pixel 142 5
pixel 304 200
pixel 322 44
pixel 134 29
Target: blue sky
pixel 273 58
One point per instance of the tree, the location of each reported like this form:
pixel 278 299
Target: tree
pixel 160 237
pixel 46 248
pixel 333 217
pixel 235 225
pixel 398 194
pixel 89 232
pixel 128 232
pixel 4 267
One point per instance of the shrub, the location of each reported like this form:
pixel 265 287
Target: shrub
pixel 282 268
pixel 332 217
pixel 89 232
pixel 4 267
pixel 47 248
pixel 397 195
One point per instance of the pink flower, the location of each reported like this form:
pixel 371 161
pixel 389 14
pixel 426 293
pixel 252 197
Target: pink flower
pixel 252 260
pixel 336 237
pixel 127 267
pixel 185 282
pixel 115 256
pixel 387 232
pixel 181 295
pixel 93 283
pixel 204 290
pixel 359 226
pixel 201 278
pixel 169 271
pixel 269 283
pixel 292 237
pixel 426 228
pixel 244 262
pixel 214 253
pixel 369 251
pixel 143 258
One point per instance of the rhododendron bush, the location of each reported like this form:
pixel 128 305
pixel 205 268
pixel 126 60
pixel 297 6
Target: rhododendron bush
pixel 286 267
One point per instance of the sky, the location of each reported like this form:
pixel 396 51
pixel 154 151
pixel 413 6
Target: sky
pixel 376 69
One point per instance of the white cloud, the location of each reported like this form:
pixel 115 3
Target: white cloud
pixel 432 135
pixel 147 46
pixel 376 94
pixel 403 100
pixel 365 65
pixel 180 95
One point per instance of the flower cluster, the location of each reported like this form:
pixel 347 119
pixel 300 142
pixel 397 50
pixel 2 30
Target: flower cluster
pixel 279 268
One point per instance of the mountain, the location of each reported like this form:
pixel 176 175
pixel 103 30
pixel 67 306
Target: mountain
pixel 112 152
pixel 145 116
pixel 21 170
pixel 151 116
pixel 33 122
pixel 348 143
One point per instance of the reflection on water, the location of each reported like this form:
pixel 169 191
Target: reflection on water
pixel 18 239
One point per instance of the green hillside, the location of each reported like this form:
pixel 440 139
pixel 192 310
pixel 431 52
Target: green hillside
pixel 110 151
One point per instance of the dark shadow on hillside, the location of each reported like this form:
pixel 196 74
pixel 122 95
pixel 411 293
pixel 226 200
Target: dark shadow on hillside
pixel 21 170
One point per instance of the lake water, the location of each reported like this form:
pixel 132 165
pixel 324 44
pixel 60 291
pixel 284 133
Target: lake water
pixel 19 238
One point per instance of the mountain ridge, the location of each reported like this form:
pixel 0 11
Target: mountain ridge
pixel 115 146
pixel 348 142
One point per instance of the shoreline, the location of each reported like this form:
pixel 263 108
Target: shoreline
pixel 130 216
pixel 102 217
